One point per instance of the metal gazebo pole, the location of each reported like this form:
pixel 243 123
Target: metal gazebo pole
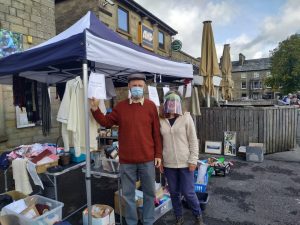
pixel 87 141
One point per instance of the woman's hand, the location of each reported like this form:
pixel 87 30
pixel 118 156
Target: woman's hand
pixel 192 167
pixel 94 103
pixel 161 168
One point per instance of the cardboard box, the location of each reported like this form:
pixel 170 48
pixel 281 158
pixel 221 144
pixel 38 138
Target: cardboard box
pixel 100 216
pixel 9 220
pixel 138 184
pixel 138 202
pixel 16 195
pixel 260 145
pixel 254 154
pixel 159 193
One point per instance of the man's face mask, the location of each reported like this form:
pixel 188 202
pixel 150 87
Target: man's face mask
pixel 137 92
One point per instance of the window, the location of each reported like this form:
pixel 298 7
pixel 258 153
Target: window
pixel 244 95
pixel 256 85
pixel 255 96
pixel 268 74
pixel 244 85
pixel 255 75
pixel 243 75
pixel 161 40
pixel 123 20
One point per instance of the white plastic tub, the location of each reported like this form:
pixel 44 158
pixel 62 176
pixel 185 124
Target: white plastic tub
pixel 48 218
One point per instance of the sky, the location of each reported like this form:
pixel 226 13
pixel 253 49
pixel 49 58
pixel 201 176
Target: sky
pixel 251 27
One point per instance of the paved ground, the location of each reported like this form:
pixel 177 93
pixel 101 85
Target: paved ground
pixel 265 193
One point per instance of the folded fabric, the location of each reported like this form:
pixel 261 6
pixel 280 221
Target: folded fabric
pixel 41 156
pixel 45 160
pixel 20 176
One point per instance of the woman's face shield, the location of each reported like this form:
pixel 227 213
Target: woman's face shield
pixel 172 104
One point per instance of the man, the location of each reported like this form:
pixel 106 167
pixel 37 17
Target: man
pixel 140 146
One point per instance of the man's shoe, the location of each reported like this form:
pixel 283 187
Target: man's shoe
pixel 179 220
pixel 199 220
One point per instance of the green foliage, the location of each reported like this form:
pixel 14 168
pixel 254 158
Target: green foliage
pixel 285 66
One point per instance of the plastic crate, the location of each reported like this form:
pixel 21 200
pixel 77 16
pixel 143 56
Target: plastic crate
pixel 160 210
pixel 203 199
pixel 202 187
pixel 54 214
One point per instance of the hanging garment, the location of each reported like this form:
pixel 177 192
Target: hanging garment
pixel 19 91
pixel 35 102
pixel 60 90
pixel 46 110
pixel 71 115
pixel 29 99
pixel 20 176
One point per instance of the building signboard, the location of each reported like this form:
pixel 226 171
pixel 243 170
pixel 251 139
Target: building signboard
pixel 146 36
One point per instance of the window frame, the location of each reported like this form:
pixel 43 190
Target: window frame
pixel 127 12
pixel 243 75
pixel 244 81
pixel 161 46
pixel 256 75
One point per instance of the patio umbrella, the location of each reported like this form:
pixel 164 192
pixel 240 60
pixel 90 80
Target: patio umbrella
pixel 226 67
pixel 209 66
pixel 195 103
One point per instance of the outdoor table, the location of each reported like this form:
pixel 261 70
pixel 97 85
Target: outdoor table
pixel 5 179
pixel 52 177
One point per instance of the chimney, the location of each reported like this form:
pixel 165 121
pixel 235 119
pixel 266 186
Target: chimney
pixel 242 59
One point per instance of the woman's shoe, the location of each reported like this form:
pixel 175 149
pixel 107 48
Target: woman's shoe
pixel 179 220
pixel 199 220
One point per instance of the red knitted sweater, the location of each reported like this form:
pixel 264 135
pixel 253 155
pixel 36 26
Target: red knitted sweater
pixel 139 131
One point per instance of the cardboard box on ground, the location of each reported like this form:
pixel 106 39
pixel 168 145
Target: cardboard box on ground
pixel 101 215
pixel 139 201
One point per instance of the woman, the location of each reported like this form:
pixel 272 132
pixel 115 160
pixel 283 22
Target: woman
pixel 180 155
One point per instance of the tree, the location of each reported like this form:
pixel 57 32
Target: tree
pixel 285 66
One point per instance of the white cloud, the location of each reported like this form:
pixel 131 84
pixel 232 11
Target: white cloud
pixel 187 16
pixel 274 29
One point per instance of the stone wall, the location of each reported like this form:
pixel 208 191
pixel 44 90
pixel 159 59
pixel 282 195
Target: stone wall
pixel 184 57
pixel 28 17
pixel 69 11
pixel 33 18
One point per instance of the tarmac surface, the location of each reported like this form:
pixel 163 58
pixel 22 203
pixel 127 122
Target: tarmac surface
pixel 265 193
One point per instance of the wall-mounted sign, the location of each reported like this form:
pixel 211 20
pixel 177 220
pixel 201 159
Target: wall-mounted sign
pixel 176 45
pixel 146 36
pixel 10 43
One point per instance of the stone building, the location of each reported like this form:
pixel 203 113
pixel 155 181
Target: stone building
pixel 35 20
pixel 249 76
pixel 128 19
pixel 131 21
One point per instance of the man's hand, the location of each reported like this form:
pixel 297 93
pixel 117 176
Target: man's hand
pixel 157 162
pixel 94 103
pixel 192 167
